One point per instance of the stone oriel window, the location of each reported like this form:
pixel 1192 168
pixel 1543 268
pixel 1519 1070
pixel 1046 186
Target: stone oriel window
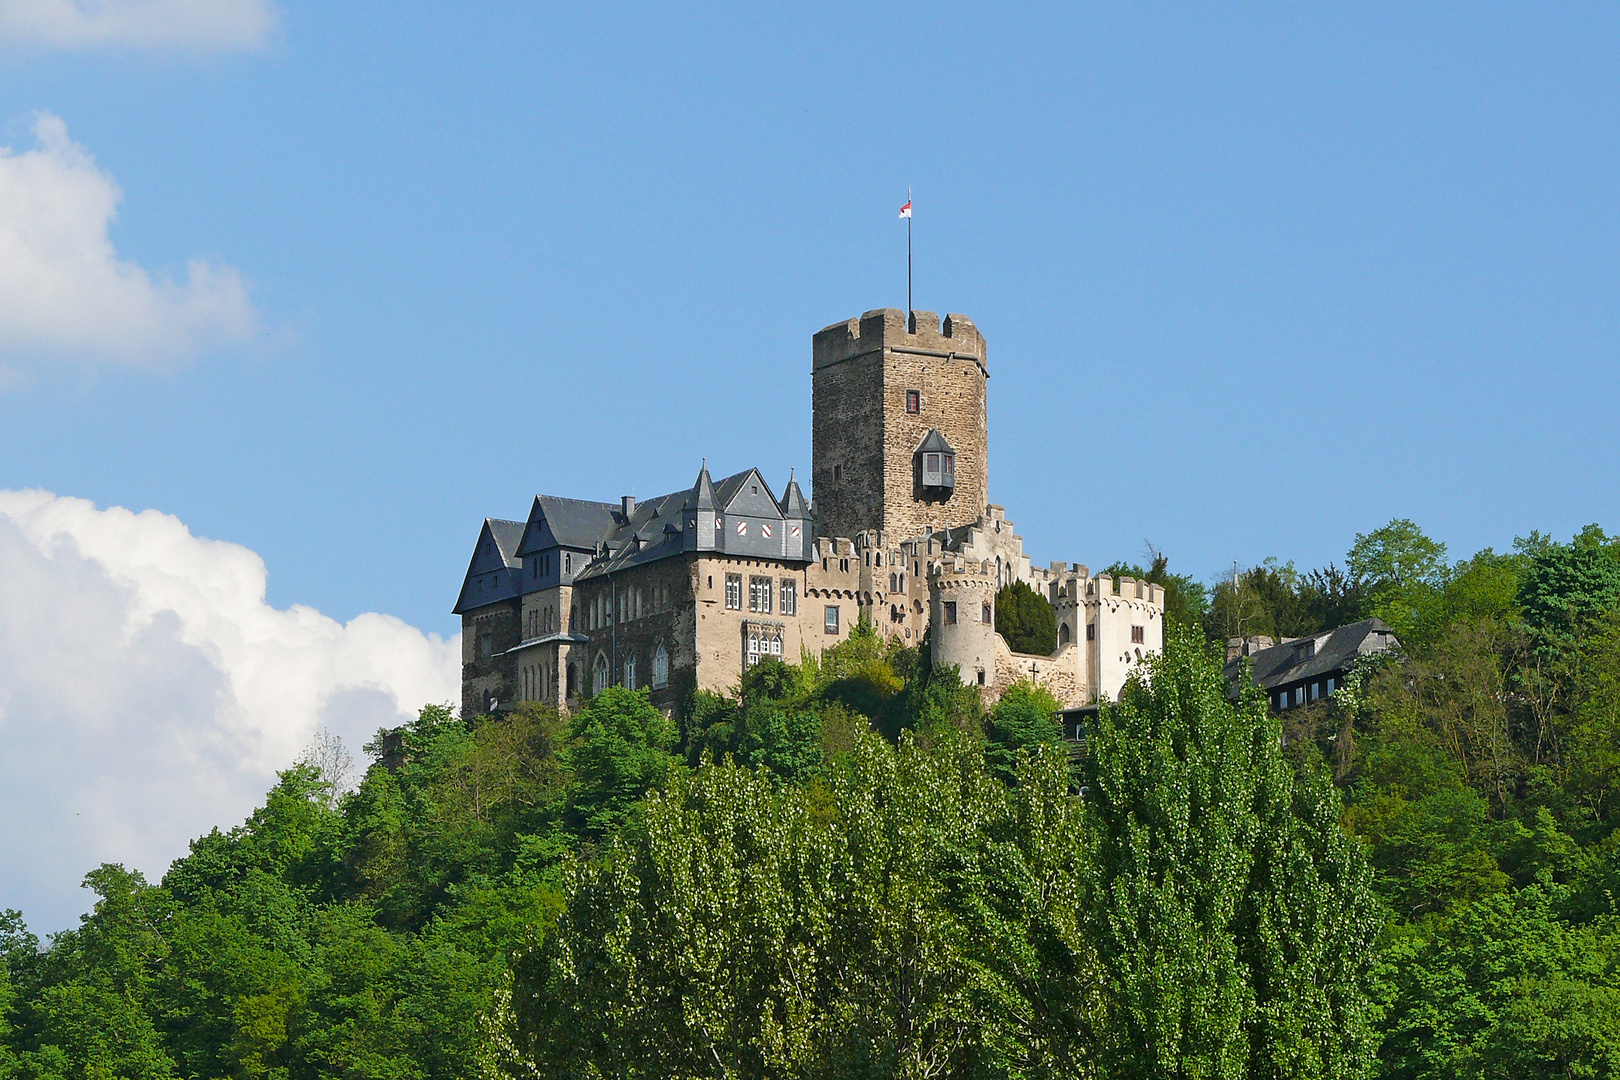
pixel 832 619
pixel 1137 636
pixel 734 592
pixel 913 401
pixel 790 596
pixel 759 594
pixel 950 613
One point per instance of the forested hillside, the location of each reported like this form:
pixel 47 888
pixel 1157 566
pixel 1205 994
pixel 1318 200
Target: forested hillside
pixel 846 869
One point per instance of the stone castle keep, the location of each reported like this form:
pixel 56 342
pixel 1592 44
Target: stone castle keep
pixel 688 589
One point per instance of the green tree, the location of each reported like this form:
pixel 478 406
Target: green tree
pixel 620 751
pixel 1233 917
pixel 1026 620
pixel 1504 987
pixel 1402 570
pixel 1568 588
pixel 924 926
pixel 1022 720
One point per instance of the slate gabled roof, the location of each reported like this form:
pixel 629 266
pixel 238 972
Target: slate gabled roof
pixel 736 495
pixel 653 532
pixel 570 523
pixel 492 573
pixel 1335 650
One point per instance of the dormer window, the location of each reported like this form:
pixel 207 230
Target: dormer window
pixel 936 463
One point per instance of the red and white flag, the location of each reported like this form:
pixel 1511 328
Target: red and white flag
pixel 905 211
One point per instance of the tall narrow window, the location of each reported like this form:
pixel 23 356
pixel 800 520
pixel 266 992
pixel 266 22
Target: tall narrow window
pixel 752 656
pixel 599 676
pixel 661 668
pixel 790 597
pixel 984 614
pixel 1091 631
pixel 759 594
pixel 630 673
pixel 950 613
pixel 913 401
pixel 734 592
pixel 831 623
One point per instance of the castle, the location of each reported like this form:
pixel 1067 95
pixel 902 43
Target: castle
pixel 687 590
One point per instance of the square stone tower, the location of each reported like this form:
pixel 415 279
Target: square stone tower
pixel 899 430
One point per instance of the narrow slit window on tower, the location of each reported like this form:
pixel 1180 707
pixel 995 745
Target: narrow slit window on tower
pixel 913 401
pixel 950 613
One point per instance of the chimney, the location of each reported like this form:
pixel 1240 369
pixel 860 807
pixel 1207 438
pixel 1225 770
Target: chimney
pixel 628 504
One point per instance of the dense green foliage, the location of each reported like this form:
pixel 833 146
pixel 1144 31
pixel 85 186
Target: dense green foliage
pixel 1026 619
pixel 847 868
pixel 1232 915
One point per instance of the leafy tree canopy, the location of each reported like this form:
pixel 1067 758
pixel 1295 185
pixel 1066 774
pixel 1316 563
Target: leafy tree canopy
pixel 1026 619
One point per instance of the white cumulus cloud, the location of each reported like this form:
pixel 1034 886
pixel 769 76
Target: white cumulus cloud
pixel 148 692
pixel 64 292
pixel 192 25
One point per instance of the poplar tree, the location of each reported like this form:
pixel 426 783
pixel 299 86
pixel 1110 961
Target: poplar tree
pixel 1232 915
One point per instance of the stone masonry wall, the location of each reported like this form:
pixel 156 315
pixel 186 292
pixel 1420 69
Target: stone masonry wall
pixel 486 671
pixel 863 439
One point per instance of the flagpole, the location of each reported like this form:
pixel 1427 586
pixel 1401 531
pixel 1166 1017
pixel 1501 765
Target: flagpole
pixel 909 328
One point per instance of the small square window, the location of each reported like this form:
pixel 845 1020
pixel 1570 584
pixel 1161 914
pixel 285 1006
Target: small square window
pixel 1137 635
pixel 913 401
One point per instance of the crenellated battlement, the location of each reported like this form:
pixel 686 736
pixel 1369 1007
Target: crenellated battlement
pixel 886 328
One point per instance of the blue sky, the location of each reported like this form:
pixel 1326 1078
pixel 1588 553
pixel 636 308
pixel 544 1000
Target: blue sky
pixel 1253 279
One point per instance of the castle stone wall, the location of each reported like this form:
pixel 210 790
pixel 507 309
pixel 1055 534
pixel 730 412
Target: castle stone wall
pixel 863 438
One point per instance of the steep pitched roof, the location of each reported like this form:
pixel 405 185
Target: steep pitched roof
pixel 653 531
pixel 570 523
pixel 934 443
pixel 747 493
pixel 793 501
pixel 492 573
pixel 703 491
pixel 1317 655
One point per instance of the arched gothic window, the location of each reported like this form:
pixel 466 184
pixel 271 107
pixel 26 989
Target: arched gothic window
pixel 601 675
pixel 660 668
